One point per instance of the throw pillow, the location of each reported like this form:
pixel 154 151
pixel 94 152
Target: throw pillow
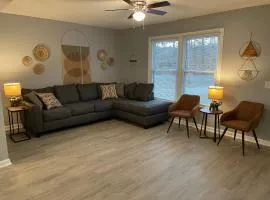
pixel 108 91
pixel 33 98
pixel 130 90
pixel 88 91
pixel 144 91
pixel 99 88
pixel 120 89
pixel 49 100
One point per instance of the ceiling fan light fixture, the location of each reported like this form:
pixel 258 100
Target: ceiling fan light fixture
pixel 139 16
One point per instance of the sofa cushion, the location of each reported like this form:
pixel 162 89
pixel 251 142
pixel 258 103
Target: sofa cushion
pixel 130 90
pixel 41 90
pixel 103 105
pixel 143 91
pixel 88 91
pixel 66 93
pixel 56 114
pixel 120 89
pixel 80 108
pixel 34 99
pixel 143 108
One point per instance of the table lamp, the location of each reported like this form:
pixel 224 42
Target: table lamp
pixel 216 94
pixel 13 92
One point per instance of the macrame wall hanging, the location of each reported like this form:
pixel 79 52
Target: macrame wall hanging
pixel 75 57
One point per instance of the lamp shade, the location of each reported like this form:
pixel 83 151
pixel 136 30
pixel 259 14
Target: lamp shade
pixel 12 89
pixel 215 92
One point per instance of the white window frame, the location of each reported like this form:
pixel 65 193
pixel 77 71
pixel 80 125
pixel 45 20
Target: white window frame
pixel 181 38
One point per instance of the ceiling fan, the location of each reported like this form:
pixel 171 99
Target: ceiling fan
pixel 140 7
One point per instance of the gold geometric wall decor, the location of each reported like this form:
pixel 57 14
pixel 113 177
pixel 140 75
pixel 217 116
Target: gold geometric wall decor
pixel 249 52
pixel 41 52
pixel 27 61
pixel 39 69
pixel 76 64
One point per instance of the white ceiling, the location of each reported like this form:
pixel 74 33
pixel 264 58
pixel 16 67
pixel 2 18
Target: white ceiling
pixel 91 12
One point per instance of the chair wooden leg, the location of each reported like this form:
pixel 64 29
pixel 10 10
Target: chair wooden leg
pixel 179 122
pixel 256 139
pixel 187 127
pixel 194 120
pixel 170 125
pixel 235 131
pixel 243 142
pixel 224 132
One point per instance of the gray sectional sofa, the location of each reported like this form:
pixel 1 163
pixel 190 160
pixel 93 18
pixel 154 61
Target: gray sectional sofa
pixel 82 104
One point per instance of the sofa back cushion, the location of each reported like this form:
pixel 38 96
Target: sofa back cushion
pixel 88 91
pixel 66 93
pixel 33 98
pixel 130 90
pixel 41 90
pixel 144 92
pixel 120 89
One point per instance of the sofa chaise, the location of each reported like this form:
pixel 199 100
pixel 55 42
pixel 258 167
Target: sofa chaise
pixel 82 104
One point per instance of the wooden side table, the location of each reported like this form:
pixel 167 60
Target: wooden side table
pixel 206 112
pixel 16 111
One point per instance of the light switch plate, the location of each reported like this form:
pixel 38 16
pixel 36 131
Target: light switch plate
pixel 267 84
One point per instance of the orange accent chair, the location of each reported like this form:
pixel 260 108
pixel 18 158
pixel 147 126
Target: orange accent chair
pixel 186 107
pixel 245 117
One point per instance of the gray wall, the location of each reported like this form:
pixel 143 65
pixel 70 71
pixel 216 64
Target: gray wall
pixel 19 35
pixel 3 142
pixel 237 25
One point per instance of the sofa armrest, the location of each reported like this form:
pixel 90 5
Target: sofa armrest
pixel 34 118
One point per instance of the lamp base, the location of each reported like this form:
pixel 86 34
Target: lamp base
pixel 15 101
pixel 214 106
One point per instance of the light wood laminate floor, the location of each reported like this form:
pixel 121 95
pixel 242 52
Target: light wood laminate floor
pixel 115 160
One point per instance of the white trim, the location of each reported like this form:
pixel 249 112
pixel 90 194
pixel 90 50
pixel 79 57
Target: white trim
pixel 181 37
pixel 230 134
pixel 202 32
pixel 5 163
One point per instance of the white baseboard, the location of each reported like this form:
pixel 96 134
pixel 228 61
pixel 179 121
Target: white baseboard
pixel 229 134
pixel 5 163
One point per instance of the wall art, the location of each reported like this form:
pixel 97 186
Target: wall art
pixel 41 52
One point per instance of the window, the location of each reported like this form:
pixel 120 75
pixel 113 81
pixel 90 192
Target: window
pixel 200 60
pixel 185 64
pixel 164 68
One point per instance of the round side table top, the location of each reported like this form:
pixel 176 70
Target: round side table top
pixel 207 111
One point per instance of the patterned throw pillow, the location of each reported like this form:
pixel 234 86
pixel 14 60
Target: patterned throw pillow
pixel 49 100
pixel 108 91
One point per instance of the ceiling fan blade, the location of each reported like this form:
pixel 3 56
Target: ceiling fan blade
pixel 116 9
pixel 159 4
pixel 128 2
pixel 130 16
pixel 156 12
